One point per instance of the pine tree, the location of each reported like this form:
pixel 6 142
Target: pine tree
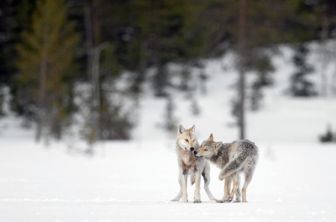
pixel 301 85
pixel 195 108
pixel 263 67
pixel 185 79
pixel 172 32
pixel 2 102
pixel 6 39
pixel 45 63
pixel 203 77
pixel 328 136
pixel 170 120
pixel 12 19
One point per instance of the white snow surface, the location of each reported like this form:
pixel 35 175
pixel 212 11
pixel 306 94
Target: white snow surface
pixel 135 180
pixel 125 182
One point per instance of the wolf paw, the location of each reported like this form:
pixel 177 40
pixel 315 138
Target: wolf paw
pixel 197 201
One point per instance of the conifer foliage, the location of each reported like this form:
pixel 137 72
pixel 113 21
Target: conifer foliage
pixel 45 68
pixel 301 85
pixel 54 75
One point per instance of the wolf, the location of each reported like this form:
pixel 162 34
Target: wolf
pixel 189 164
pixel 233 158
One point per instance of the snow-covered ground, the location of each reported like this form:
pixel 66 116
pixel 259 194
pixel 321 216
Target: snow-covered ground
pixel 125 182
pixel 134 181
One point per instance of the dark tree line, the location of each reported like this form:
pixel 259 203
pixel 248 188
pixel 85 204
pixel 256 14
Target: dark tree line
pixel 51 47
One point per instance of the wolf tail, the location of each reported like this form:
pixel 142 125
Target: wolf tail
pixel 234 166
pixel 246 159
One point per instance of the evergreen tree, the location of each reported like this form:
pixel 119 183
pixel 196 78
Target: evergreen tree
pixel 170 120
pixel 256 96
pixel 172 32
pixel 195 108
pixel 263 67
pixel 203 77
pixel 301 85
pixel 185 84
pixel 328 136
pixel 2 98
pixel 13 17
pixel 45 64
pixel 107 119
pixel 6 36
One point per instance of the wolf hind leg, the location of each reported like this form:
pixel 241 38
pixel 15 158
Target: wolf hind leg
pixel 248 178
pixel 206 177
pixel 236 188
pixel 227 190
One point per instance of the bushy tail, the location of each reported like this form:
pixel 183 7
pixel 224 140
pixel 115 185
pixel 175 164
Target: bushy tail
pixel 234 165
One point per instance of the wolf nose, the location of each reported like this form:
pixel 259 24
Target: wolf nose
pixel 192 148
pixel 195 152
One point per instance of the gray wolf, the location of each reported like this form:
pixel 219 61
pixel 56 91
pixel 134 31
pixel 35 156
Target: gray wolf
pixel 189 164
pixel 233 158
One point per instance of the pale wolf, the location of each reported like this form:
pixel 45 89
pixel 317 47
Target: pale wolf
pixel 232 158
pixel 189 164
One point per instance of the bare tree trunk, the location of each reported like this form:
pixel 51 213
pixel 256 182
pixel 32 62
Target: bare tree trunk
pixel 324 53
pixel 88 36
pixel 97 86
pixel 91 70
pixel 42 106
pixel 241 66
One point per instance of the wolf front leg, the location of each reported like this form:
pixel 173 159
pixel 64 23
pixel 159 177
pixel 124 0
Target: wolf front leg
pixel 197 194
pixel 184 177
pixel 206 177
pixel 248 178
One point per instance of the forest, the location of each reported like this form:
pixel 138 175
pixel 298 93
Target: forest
pixel 84 63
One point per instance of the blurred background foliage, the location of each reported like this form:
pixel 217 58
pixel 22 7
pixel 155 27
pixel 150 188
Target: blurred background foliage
pixel 49 47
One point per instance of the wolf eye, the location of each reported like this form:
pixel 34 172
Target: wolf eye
pixel 187 140
pixel 205 149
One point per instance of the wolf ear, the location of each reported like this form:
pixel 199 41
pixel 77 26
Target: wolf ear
pixel 180 129
pixel 211 138
pixel 192 128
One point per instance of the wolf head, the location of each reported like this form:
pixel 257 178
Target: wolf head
pixel 186 138
pixel 209 148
